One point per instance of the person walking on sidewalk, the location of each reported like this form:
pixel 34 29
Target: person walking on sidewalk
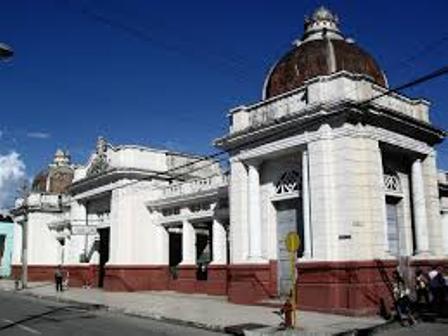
pixel 402 300
pixel 58 278
pixel 437 285
pixel 421 289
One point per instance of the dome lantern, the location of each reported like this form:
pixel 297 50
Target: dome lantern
pixel 322 22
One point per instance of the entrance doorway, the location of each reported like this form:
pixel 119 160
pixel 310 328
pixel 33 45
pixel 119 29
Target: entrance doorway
pixel 104 254
pixel 204 249
pixel 175 243
pixel 289 218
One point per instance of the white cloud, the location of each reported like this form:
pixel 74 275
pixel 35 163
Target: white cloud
pixel 38 135
pixel 12 174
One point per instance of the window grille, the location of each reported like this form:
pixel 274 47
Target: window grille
pixel 392 183
pixel 288 183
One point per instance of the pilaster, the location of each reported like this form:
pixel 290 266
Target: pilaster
pixel 188 244
pixel 420 215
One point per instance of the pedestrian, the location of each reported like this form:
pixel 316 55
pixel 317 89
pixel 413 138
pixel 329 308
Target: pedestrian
pixel 402 300
pixel 59 277
pixel 437 285
pixel 421 288
pixel 432 273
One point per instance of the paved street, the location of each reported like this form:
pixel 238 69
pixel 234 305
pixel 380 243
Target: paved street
pixel 428 329
pixel 20 315
pixel 212 312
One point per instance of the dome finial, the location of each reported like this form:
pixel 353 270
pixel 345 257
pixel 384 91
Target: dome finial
pixel 61 158
pixel 322 21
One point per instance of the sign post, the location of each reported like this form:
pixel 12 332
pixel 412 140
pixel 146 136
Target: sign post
pixel 292 245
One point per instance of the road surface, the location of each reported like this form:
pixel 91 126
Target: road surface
pixel 26 316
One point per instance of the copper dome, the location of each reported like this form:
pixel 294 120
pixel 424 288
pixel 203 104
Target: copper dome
pixel 322 51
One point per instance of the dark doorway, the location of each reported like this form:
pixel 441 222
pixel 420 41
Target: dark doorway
pixel 204 249
pixel 104 254
pixel 175 244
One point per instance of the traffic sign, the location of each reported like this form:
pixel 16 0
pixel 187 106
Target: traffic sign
pixel 292 241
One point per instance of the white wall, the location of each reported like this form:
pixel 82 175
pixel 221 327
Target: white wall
pixel 43 248
pixel 135 238
pixel 347 197
pixel 139 158
pixel 17 247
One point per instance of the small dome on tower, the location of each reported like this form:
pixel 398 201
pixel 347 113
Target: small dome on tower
pixel 57 177
pixel 321 51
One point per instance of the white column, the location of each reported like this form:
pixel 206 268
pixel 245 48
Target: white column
pixel 188 244
pixel 385 239
pixel 219 243
pixel 306 206
pixel 420 216
pixel 445 231
pixel 254 213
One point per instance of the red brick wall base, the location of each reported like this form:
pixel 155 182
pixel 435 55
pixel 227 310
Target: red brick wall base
pixel 135 278
pixel 252 283
pixel 353 287
pixel 349 287
pixel 78 274
pixel 143 277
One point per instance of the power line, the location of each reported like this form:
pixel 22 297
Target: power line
pixel 427 49
pixel 219 63
pixel 339 107
pixel 437 73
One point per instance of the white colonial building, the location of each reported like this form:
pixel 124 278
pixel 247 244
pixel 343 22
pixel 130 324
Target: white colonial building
pixel 329 153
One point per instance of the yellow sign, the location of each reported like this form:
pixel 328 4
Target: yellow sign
pixel 292 242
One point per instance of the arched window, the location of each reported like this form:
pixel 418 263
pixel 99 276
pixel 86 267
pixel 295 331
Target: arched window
pixel 288 183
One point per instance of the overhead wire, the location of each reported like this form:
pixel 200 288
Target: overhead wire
pixel 146 37
pixel 220 63
pixel 335 107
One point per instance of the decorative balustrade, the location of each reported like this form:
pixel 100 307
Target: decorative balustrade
pixel 333 90
pixel 47 201
pixel 414 108
pixel 267 111
pixel 392 184
pixel 194 186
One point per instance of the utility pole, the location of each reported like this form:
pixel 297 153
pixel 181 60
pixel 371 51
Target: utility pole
pixel 6 51
pixel 25 246
pixel 23 212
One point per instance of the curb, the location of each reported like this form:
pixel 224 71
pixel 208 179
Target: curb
pixel 388 325
pixel 199 325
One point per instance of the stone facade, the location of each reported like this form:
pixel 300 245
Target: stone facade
pixel 335 157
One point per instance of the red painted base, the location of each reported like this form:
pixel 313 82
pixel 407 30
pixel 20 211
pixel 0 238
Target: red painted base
pixel 78 275
pixel 134 278
pixel 356 288
pixel 351 287
pixel 186 282
pixel 252 283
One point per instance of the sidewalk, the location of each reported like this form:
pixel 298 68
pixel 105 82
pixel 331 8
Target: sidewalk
pixel 211 312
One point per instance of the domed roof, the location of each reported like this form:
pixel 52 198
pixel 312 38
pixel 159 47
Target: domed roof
pixel 323 50
pixel 57 177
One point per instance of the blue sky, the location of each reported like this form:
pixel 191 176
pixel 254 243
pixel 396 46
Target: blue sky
pixel 75 77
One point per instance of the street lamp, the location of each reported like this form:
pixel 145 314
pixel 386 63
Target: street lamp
pixel 6 51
